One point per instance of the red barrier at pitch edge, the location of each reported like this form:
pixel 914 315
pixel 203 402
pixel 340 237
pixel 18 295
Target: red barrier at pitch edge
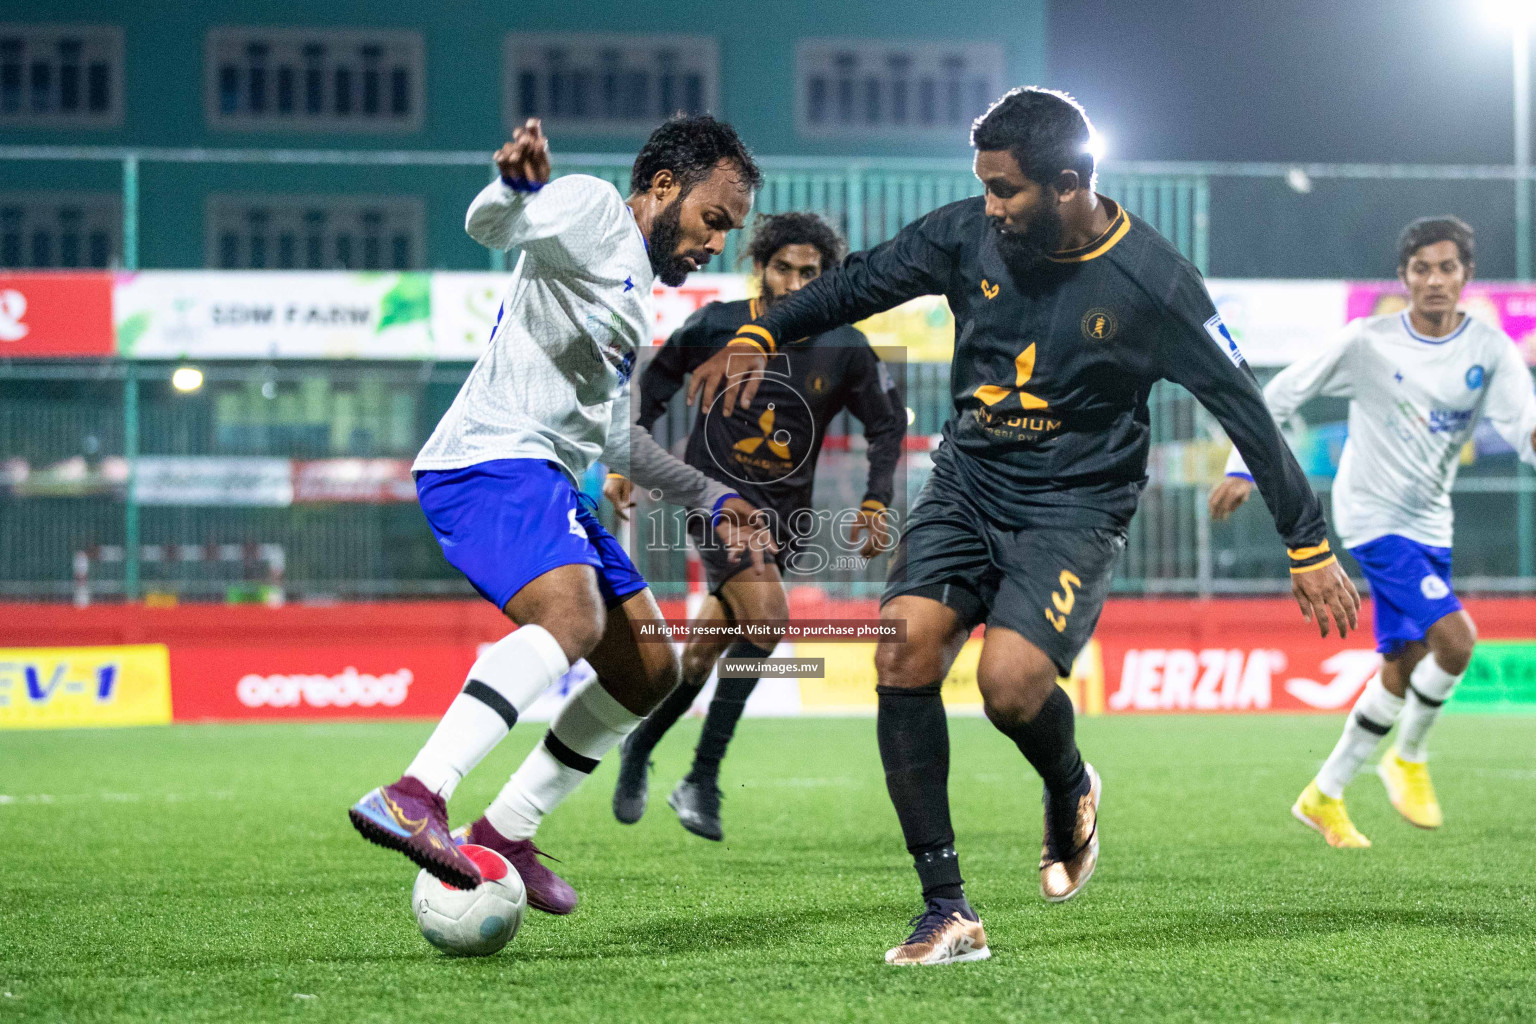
pixel 408 659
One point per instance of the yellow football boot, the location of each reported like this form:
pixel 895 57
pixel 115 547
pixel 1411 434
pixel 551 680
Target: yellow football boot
pixel 1327 816
pixel 1409 789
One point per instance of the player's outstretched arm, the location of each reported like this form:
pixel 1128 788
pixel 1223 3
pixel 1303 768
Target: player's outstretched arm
pixel 1197 353
pixel 918 261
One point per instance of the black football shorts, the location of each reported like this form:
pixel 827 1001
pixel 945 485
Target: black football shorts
pixel 1046 584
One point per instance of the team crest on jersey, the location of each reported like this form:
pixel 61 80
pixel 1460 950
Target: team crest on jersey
pixel 1221 336
pixel 1475 376
pixel 989 290
pixel 1099 325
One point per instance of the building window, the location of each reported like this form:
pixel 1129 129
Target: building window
pixel 66 76
pixel 896 90
pixel 607 84
pixel 314 80
pixel 60 230
pixel 265 232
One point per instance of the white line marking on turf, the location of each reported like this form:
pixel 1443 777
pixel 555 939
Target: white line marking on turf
pixel 112 798
pixel 1507 773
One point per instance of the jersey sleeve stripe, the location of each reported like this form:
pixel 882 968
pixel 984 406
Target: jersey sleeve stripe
pixel 761 332
pixel 1297 570
pixel 1302 554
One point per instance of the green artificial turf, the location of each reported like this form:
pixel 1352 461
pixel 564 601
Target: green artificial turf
pixel 209 873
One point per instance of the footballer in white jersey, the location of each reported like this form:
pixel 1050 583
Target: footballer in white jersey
pixel 1417 382
pixel 497 484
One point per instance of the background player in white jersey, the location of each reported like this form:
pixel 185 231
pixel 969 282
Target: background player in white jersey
pixel 1418 382
pixel 497 483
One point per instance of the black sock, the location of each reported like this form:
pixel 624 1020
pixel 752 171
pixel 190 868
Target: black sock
pixel 1048 742
pixel 914 748
pixel 724 712
pixel 663 717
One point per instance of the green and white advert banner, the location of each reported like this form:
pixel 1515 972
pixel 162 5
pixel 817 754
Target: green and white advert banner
pixel 265 314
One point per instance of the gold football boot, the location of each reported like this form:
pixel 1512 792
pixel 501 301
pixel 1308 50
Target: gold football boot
pixel 1061 879
pixel 939 938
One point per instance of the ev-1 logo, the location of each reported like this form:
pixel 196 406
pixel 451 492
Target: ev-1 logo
pixel 40 681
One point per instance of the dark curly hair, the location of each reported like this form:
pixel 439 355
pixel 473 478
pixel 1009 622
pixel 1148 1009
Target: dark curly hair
pixel 1428 231
pixel 1046 131
pixel 773 231
pixel 691 146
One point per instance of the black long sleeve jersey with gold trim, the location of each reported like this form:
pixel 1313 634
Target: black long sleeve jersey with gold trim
pixel 1053 366
pixel 769 453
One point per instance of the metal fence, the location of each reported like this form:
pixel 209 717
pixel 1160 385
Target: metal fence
pixel 1256 219
pixel 868 199
pixel 1232 219
pixel 73 419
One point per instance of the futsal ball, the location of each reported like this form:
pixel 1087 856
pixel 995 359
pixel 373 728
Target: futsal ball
pixel 472 922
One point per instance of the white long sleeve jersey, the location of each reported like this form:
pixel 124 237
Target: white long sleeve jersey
pixel 552 383
pixel 1414 403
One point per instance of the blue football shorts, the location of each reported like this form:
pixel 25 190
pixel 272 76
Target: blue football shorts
pixel 505 523
pixel 1410 588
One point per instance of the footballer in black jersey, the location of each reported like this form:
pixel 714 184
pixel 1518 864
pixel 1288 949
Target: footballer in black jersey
pixel 1067 310
pixel 770 459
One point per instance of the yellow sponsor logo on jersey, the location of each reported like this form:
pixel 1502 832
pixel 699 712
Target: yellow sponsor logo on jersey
pixel 1023 370
pixel 776 441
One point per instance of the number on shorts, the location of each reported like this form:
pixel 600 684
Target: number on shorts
pixel 1064 600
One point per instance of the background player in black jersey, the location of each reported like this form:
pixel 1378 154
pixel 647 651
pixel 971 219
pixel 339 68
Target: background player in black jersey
pixel 1067 310
pixel 770 458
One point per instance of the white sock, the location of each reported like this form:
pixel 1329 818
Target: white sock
pixel 1429 687
pixel 590 724
pixel 502 683
pixel 1369 720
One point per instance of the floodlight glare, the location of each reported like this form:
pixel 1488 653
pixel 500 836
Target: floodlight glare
pixel 1519 14
pixel 1095 146
pixel 187 378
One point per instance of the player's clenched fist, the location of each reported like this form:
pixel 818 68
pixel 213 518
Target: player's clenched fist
pixel 1324 592
pixel 1228 495
pixel 526 157
pixel 874 528
pixel 619 490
